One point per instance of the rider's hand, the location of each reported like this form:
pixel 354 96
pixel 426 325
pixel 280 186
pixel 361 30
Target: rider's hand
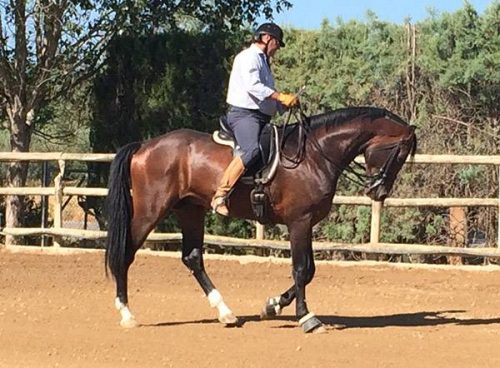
pixel 288 100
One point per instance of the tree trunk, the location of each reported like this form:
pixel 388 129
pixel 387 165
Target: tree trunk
pixel 20 139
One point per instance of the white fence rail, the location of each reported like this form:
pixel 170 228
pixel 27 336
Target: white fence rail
pixel 59 191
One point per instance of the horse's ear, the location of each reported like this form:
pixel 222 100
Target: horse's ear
pixel 409 134
pixel 413 137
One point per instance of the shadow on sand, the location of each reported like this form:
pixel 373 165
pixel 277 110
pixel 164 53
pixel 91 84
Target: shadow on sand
pixel 417 319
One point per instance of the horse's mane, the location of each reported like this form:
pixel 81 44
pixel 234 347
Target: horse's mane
pixel 345 115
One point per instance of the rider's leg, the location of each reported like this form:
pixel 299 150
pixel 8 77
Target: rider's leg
pixel 246 125
pixel 233 172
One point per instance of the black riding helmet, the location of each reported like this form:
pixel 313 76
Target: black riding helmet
pixel 272 30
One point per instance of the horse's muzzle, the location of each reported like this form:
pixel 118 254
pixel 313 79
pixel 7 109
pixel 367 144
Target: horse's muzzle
pixel 377 193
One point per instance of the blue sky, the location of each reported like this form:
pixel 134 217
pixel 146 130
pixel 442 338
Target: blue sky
pixel 308 14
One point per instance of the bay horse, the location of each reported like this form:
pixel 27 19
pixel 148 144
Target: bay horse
pixel 179 171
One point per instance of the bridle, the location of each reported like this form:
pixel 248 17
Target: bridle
pixel 370 182
pixel 380 177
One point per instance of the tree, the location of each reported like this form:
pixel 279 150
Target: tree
pixel 48 47
pixel 442 74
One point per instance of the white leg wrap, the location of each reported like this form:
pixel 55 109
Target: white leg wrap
pixel 216 301
pixel 128 319
pixel 214 298
pixel 305 318
pixel 276 302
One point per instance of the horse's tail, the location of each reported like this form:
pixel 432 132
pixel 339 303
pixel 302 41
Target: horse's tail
pixel 119 210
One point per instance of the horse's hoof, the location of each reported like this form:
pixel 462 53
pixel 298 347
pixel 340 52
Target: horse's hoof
pixel 271 308
pixel 129 323
pixel 319 330
pixel 310 323
pixel 230 320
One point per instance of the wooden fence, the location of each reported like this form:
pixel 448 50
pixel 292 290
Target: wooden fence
pixel 59 191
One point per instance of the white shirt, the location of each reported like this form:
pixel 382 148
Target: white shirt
pixel 251 82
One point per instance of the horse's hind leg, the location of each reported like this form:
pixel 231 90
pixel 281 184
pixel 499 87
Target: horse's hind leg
pixel 192 222
pixel 143 221
pixel 274 305
pixel 121 301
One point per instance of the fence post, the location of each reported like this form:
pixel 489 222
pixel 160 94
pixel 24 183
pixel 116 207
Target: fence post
pixel 458 231
pixel 259 231
pixel 375 222
pixel 45 200
pixel 58 199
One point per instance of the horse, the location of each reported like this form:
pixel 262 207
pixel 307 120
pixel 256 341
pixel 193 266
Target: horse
pixel 178 173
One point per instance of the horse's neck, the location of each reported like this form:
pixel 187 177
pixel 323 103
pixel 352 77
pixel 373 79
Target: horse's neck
pixel 342 145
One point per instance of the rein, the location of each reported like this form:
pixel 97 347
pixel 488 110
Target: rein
pixel 354 176
pixel 299 155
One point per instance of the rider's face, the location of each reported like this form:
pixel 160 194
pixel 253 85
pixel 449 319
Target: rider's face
pixel 272 45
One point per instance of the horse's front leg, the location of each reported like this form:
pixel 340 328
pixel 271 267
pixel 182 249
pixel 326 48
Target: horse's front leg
pixel 191 220
pixel 303 270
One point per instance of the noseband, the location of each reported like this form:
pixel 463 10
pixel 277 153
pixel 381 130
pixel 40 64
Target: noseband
pixel 380 177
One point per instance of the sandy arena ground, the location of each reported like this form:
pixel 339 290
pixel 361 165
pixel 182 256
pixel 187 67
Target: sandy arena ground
pixel 57 311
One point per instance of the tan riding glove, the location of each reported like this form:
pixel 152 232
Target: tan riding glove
pixel 288 100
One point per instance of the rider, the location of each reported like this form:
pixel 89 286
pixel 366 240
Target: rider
pixel 252 100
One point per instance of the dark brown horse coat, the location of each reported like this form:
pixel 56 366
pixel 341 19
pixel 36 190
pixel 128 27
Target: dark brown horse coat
pixel 179 172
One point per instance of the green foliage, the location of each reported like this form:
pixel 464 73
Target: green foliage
pixel 352 225
pixel 33 212
pixel 64 125
pixel 470 175
pixel 346 224
pixel 146 17
pixel 462 56
pixel 156 84
pixel 344 64
pixel 168 69
pixel 399 225
pixel 453 82
pixel 435 226
pixel 218 225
